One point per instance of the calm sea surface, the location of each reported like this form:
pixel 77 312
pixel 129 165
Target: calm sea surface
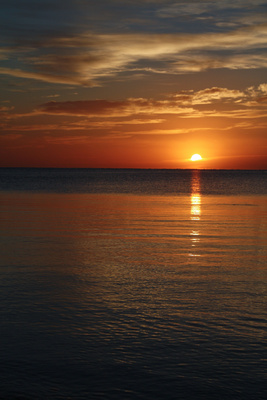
pixel 133 284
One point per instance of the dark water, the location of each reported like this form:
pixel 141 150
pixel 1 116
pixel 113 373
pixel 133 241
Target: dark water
pixel 132 181
pixel 133 284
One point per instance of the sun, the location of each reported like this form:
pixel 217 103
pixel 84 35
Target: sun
pixel 196 157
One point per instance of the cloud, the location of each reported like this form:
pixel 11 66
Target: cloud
pixel 186 103
pixel 213 101
pixel 263 87
pixel 208 96
pixel 202 62
pixel 87 107
pixel 217 109
pixel 87 58
pixel 4 109
pixel 107 115
pixel 262 99
pixel 4 54
pixel 105 108
pixel 196 8
pixel 44 77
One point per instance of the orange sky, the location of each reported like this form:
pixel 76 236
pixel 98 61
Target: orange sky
pixel 145 84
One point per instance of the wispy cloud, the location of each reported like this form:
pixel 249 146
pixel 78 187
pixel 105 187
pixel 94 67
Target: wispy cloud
pixel 201 62
pixel 197 7
pixel 44 77
pixel 208 96
pixel 85 59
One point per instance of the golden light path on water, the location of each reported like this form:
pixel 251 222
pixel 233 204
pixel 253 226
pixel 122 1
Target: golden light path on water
pixel 195 210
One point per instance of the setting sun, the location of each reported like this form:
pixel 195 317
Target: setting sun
pixel 196 157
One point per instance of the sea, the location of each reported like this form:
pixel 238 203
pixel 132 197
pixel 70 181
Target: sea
pixel 120 284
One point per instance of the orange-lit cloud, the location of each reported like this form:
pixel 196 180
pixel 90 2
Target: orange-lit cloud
pixel 206 103
pixel 207 96
pixel 183 103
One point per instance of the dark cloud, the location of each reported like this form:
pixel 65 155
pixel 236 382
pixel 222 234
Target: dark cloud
pixel 89 107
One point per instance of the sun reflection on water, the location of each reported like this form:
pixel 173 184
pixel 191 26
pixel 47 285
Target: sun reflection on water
pixel 195 207
pixel 195 211
pixel 195 196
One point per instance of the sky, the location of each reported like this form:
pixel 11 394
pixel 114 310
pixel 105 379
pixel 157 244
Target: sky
pixel 133 83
